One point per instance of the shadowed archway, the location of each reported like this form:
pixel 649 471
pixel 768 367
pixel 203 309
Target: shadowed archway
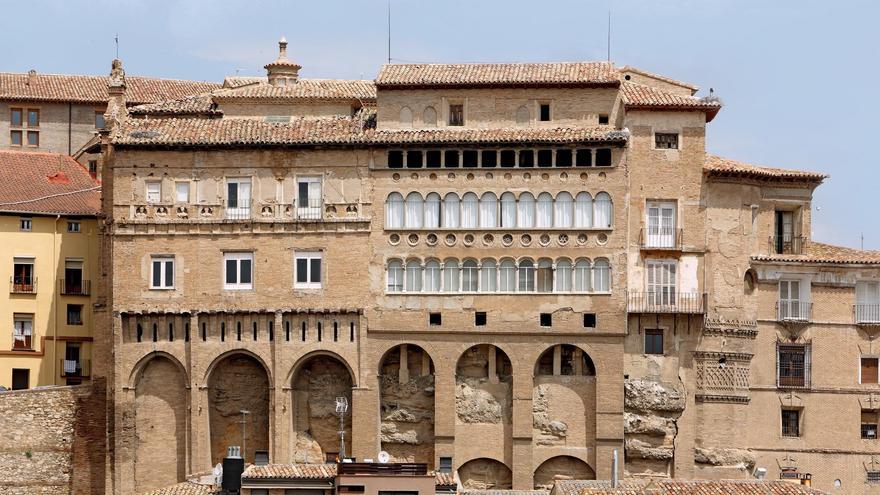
pixel 238 382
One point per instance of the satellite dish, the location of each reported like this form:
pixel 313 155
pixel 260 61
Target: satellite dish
pixel 384 457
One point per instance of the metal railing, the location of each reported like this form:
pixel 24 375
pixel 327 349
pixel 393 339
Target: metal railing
pixel 666 302
pixel 786 244
pixel 75 287
pixel 21 285
pixel 74 368
pixel 866 314
pixel 661 238
pixel 311 209
pixel 794 311
pixel 239 210
pixel 375 468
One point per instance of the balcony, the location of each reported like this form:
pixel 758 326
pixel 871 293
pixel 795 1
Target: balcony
pixel 786 244
pixel 661 238
pixel 75 287
pixel 379 469
pixel 19 285
pixel 74 368
pixel 237 210
pixel 311 209
pixel 866 314
pixel 666 302
pixel 794 311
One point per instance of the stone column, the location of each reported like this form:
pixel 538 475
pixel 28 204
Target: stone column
pixel 557 360
pixel 521 454
pixel 364 423
pixel 493 364
pixel 403 372
pixel 444 409
pixel 280 441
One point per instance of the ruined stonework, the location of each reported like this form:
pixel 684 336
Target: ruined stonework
pixel 238 383
pixel 735 458
pixel 651 412
pixel 316 386
pixel 485 474
pixel 407 410
pixel 561 468
pixel 562 411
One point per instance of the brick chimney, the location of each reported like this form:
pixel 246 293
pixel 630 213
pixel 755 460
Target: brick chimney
pixel 283 71
pixel 32 77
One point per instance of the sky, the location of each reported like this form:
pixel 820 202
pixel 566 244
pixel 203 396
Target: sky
pixel 797 77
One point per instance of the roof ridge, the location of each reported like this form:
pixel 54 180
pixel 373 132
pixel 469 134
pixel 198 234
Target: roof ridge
pixel 507 63
pixel 127 76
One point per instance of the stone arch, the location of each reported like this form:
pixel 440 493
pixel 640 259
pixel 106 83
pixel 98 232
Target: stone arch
pixel 138 369
pixel 406 385
pixel 160 422
pixel 561 467
pixel 316 381
pixel 484 473
pixel 238 380
pixel 564 398
pixel 484 400
pixel 429 117
pixel 217 360
pixel 406 117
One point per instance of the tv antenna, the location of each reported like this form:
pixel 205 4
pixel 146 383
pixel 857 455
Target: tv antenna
pixel 116 40
pixel 389 31
pixel 609 35
pixel 244 415
pixel 341 409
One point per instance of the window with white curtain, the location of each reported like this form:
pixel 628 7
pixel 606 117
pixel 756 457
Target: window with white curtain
pixel 660 281
pixel 450 276
pixel 602 211
pixel 432 211
pixel 563 276
pixel 432 276
pixel 488 211
pixel 451 212
pixel 395 276
pixel 544 275
pixel 488 276
pixel 544 211
pixel 469 211
pixel 469 276
pixel 413 276
pixel 583 210
pixel 525 211
pixel 526 276
pixel 582 276
pixel 414 211
pixel 507 276
pixel 508 210
pixel 394 211
pixel 601 275
pixel 563 211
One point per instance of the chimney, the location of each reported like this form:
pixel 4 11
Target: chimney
pixel 283 71
pixel 32 77
pixel 116 109
pixel 233 467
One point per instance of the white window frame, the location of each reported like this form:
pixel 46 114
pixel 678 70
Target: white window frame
pixel 803 297
pixel 164 261
pixel 238 257
pixel 177 191
pixel 29 225
pixel 242 208
pixel 660 229
pixel 309 211
pixel 149 195
pixel 677 140
pixel 74 226
pixel 867 305
pixel 668 290
pixel 309 256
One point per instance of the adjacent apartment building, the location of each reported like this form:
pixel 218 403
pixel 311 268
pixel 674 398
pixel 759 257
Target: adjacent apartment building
pixel 509 271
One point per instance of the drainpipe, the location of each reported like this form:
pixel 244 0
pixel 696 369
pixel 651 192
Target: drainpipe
pixel 55 319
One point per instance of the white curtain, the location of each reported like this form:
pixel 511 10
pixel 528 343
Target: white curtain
pixel 451 212
pixel 602 275
pixel 583 210
pixel 395 276
pixel 582 282
pixel 432 276
pixel 563 276
pixel 602 211
pixel 414 211
pixel 432 211
pixel 508 210
pixel 563 212
pixel 488 211
pixel 525 210
pixel 488 276
pixel 450 276
pixel 469 211
pixel 507 276
pixel 394 211
pixel 469 276
pixel 544 211
pixel 413 276
pixel 526 276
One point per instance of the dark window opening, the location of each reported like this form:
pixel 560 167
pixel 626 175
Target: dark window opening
pixel 271 330
pixel 666 141
pixel 204 332
pixel 545 112
pixel 450 158
pixel 456 115
pixel 469 158
pixel 584 158
pixel 155 332
pixel 303 331
pixel 434 319
pixel 480 318
pixel 186 332
pixel 351 332
pixel 603 119
pixel 238 331
pixel 654 341
pixel 21 379
pixel 395 159
pixel 170 332
pixel 140 332
pixel 254 324
pixel 563 157
pixel 433 158
pixel 74 314
pixel 287 331
pixel 222 331
pixel 589 320
pixel 414 159
pixel 490 158
pixel 445 465
pixel 545 158
pixel 603 157
pixel 546 319
pixel 335 332
pixel 320 331
pixel 791 423
pixel 508 158
pixel 869 425
pixel 526 158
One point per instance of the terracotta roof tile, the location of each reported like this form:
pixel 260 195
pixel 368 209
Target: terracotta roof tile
pixel 191 105
pixel 717 166
pixel 639 96
pixel 684 487
pixel 93 89
pixel 445 479
pixel 818 252
pixel 457 75
pixel 317 89
pixel 503 492
pixel 290 471
pixel 185 488
pixel 46 183
pixel 636 70
pixel 238 81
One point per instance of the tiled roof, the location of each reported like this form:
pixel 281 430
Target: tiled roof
pixel 684 487
pixel 649 97
pixel 818 252
pixel 717 166
pixel 185 488
pixel 290 471
pixel 458 75
pixel 636 70
pixel 191 105
pixel 445 479
pixel 46 183
pixel 93 89
pixel 316 89
pixel 238 81
pixel 503 492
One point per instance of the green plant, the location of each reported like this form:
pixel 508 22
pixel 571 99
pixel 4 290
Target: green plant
pixel 28 454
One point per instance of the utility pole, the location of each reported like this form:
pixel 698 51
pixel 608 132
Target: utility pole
pixel 341 409
pixel 244 415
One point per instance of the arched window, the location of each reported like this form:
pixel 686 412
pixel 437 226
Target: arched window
pixel 488 276
pixel 522 115
pixel 583 210
pixel 395 276
pixel 563 211
pixel 563 275
pixel 508 210
pixel 432 211
pixel 429 117
pixel 469 276
pixel 414 211
pixel 507 276
pixel 488 211
pixel 406 119
pixel 450 276
pixel 413 276
pixel 601 275
pixel 432 276
pixel 451 212
pixel 582 281
pixel 526 276
pixel 544 212
pixel 469 211
pixel 525 211
pixel 394 211
pixel 544 276
pixel 602 211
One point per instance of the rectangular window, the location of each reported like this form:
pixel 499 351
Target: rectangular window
pixel 785 241
pixel 93 168
pixel 603 157
pixel 869 425
pixel 654 341
pixel 603 119
pixel 666 141
pixel 793 365
pixel 25 224
pixel 545 112
pixel 238 199
pixel 661 282
pixel 480 318
pixel 563 157
pixel 22 332
pixel 527 158
pixel 545 319
pixel 15 138
pixel 33 117
pixel 181 192
pixel 153 191
pixel 15 117
pixel 508 158
pixel 21 378
pixel 868 372
pixel 589 320
pixel 99 120
pixel 445 465
pixel 308 270
pixel 73 226
pixel 395 159
pixel 74 314
pixel 791 305
pixel 660 223
pixel 867 302
pixel 456 114
pixel 489 158
pixel 308 191
pixel 791 423
pixel 433 159
pixel 162 272
pixel 435 319
pixel 23 280
pixel 469 158
pixel 872 477
pixel 33 138
pixel 73 283
pixel 238 271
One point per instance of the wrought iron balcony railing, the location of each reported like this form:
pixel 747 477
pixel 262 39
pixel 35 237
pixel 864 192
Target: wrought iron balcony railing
pixel 22 285
pixel 75 287
pixel 786 244
pixel 666 302
pixel 866 314
pixel 794 311
pixel 661 238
